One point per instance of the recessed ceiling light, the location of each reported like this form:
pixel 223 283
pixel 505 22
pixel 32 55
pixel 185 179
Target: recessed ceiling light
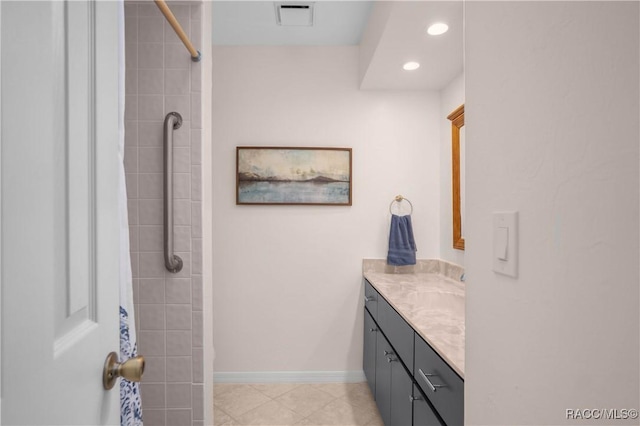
pixel 410 66
pixel 438 28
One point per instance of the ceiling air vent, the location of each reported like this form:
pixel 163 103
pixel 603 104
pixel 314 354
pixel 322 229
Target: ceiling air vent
pixel 294 14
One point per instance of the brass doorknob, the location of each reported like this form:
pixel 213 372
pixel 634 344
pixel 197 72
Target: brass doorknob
pixel 131 370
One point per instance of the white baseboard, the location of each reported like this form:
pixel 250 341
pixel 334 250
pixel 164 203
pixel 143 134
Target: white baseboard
pixel 354 376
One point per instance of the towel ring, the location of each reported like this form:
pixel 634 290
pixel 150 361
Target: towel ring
pixel 398 199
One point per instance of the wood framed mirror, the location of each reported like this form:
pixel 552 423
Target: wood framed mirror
pixel 457 171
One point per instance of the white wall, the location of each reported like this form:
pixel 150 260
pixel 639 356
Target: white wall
pixel 451 97
pixel 287 284
pixel 552 128
pixel 373 32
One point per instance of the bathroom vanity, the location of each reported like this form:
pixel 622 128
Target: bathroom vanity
pixel 414 341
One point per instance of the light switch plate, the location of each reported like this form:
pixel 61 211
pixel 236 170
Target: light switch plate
pixel 505 230
pixel 501 243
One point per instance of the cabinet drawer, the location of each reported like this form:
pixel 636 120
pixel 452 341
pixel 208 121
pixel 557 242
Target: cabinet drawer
pixel 443 387
pixel 399 333
pixel 423 414
pixel 371 297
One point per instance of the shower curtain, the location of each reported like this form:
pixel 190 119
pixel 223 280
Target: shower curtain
pixel 130 402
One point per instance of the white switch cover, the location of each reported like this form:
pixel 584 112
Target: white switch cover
pixel 505 243
pixel 501 242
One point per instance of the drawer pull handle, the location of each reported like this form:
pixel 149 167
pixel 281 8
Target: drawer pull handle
pixel 369 299
pixel 390 359
pixel 373 329
pixel 414 398
pixel 388 353
pixel 425 377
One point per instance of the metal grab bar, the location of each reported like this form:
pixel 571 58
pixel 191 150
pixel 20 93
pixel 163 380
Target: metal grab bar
pixel 173 263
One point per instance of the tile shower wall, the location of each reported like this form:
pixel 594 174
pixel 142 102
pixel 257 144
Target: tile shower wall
pixel 160 78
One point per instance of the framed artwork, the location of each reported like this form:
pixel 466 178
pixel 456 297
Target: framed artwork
pixel 283 175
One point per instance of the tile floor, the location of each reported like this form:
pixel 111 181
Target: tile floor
pixel 295 404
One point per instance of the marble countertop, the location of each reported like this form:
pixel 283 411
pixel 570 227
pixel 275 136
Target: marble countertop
pixel 430 297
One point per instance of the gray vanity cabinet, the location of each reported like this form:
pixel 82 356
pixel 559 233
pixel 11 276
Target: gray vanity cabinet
pixel 411 384
pixel 423 414
pixel 369 355
pixel 383 378
pixel 443 387
pixel 393 385
pixel 371 300
pixel 398 332
pixel 383 361
pixel 401 394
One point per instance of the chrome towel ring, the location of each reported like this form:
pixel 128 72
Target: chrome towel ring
pixel 399 199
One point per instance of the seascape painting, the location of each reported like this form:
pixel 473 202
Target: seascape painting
pixel 278 175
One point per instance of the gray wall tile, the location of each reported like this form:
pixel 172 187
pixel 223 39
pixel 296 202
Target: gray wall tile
pixel 150 81
pixel 151 159
pixel 197 329
pixel 154 417
pixel 179 369
pixel 196 219
pixel 178 103
pixel 198 365
pixel 179 395
pixel 151 29
pixel 131 107
pixel 150 133
pixel 182 212
pixel 178 342
pixel 150 212
pixel 150 55
pixel 153 395
pixel 154 370
pixel 150 107
pixel 152 317
pixel 177 81
pixel 151 238
pixel 178 317
pixel 182 159
pixel 150 185
pixel 130 133
pixel 151 264
pixel 198 402
pixel 196 293
pixel 149 10
pixel 160 77
pixel 152 343
pixel 178 417
pixel 178 290
pixel 152 290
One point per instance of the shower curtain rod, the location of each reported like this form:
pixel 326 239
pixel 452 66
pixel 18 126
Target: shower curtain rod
pixel 171 19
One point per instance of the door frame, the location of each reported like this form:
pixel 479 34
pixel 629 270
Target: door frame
pixel 207 209
pixel 1 283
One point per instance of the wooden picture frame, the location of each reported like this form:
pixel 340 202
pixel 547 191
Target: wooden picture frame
pixel 457 121
pixel 293 176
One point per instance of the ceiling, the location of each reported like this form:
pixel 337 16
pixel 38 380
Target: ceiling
pixel 389 34
pixel 252 23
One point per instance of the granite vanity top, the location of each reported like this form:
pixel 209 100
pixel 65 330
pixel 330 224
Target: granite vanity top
pixel 430 297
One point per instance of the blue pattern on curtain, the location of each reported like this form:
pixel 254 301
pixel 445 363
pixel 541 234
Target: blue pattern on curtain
pixel 130 402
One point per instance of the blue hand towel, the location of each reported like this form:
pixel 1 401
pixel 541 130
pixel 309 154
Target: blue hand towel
pixel 402 246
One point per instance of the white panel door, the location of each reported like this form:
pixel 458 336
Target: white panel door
pixel 59 177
